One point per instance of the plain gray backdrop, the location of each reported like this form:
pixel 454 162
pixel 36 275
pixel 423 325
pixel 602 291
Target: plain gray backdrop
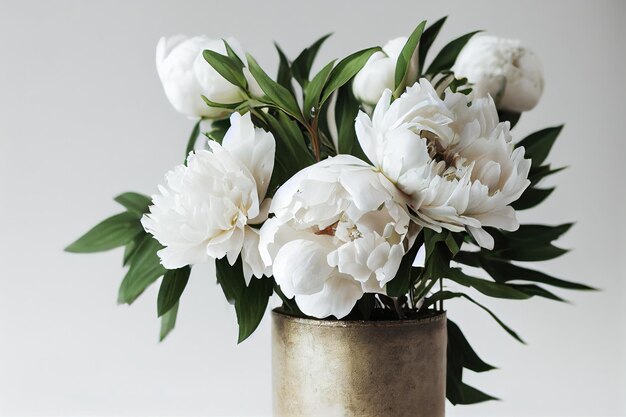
pixel 83 117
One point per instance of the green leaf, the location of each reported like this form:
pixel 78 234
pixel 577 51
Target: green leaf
pixel 366 305
pixel 531 198
pixel 134 202
pixel 535 290
pixel 534 233
pixel 291 151
pixel 528 253
pixel 227 67
pixel 192 139
pixel 438 256
pixel 447 56
pixel 132 246
pixel 229 106
pixel 452 244
pixel 172 287
pixel 503 271
pixel 447 295
pixel 426 41
pixel 472 395
pixel 345 70
pixel 538 173
pixel 275 92
pixel 461 349
pixel 346 110
pixel 111 233
pixel 168 322
pixel 233 55
pixel 301 66
pixel 250 301
pixel 537 145
pixel 313 91
pixel 403 63
pixel 251 306
pixel 145 268
pixel 511 117
pixel 489 288
pixel 283 77
pixel 468 258
pixel 218 130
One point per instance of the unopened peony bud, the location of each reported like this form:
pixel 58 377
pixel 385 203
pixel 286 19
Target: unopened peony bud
pixel 186 76
pixel 504 69
pixel 378 73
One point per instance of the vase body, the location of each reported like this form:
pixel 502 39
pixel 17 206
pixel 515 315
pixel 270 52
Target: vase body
pixel 329 368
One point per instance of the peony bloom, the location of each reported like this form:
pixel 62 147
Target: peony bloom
pixel 206 208
pixel 186 75
pixel 379 73
pixel 339 231
pixel 455 163
pixel 503 69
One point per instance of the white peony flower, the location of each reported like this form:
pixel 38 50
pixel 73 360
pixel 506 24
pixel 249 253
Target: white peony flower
pixel 453 160
pixel 504 69
pixel 206 208
pixel 186 75
pixel 339 231
pixel 378 73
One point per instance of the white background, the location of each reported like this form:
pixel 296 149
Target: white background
pixel 83 117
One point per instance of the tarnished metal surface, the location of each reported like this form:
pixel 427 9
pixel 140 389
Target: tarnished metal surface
pixel 325 368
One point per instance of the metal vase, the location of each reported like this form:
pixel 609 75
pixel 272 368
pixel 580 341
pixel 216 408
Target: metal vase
pixel 330 368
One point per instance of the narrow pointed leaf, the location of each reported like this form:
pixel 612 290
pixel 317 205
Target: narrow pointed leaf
pixel 537 145
pixel 301 66
pixel 426 41
pixel 131 247
pixel 447 295
pixel 539 173
pixel 345 70
pixel 250 301
pixel 111 233
pixel 346 110
pixel 145 268
pixel 191 143
pixel 229 106
pixel 472 395
pixel 313 91
pixel 527 253
pixel 447 56
pixel 489 288
pixel 227 67
pixel 283 77
pixel 251 306
pixel 172 287
pixel 403 63
pixel 461 348
pixel 503 271
pixel 531 198
pixel 168 322
pixel 134 202
pixel 233 55
pixel 538 233
pixel 535 290
pixel 276 93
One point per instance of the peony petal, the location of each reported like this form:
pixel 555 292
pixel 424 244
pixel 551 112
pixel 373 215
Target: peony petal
pixel 338 298
pixel 300 267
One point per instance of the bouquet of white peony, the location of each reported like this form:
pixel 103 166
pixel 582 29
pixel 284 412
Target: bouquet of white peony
pixel 355 193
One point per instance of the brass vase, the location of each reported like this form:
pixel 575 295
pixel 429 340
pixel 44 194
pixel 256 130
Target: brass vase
pixel 330 368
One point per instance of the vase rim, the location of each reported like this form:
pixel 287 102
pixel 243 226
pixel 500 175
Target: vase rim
pixel 430 318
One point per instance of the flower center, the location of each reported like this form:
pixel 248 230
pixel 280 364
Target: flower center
pixel 452 163
pixel 343 229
